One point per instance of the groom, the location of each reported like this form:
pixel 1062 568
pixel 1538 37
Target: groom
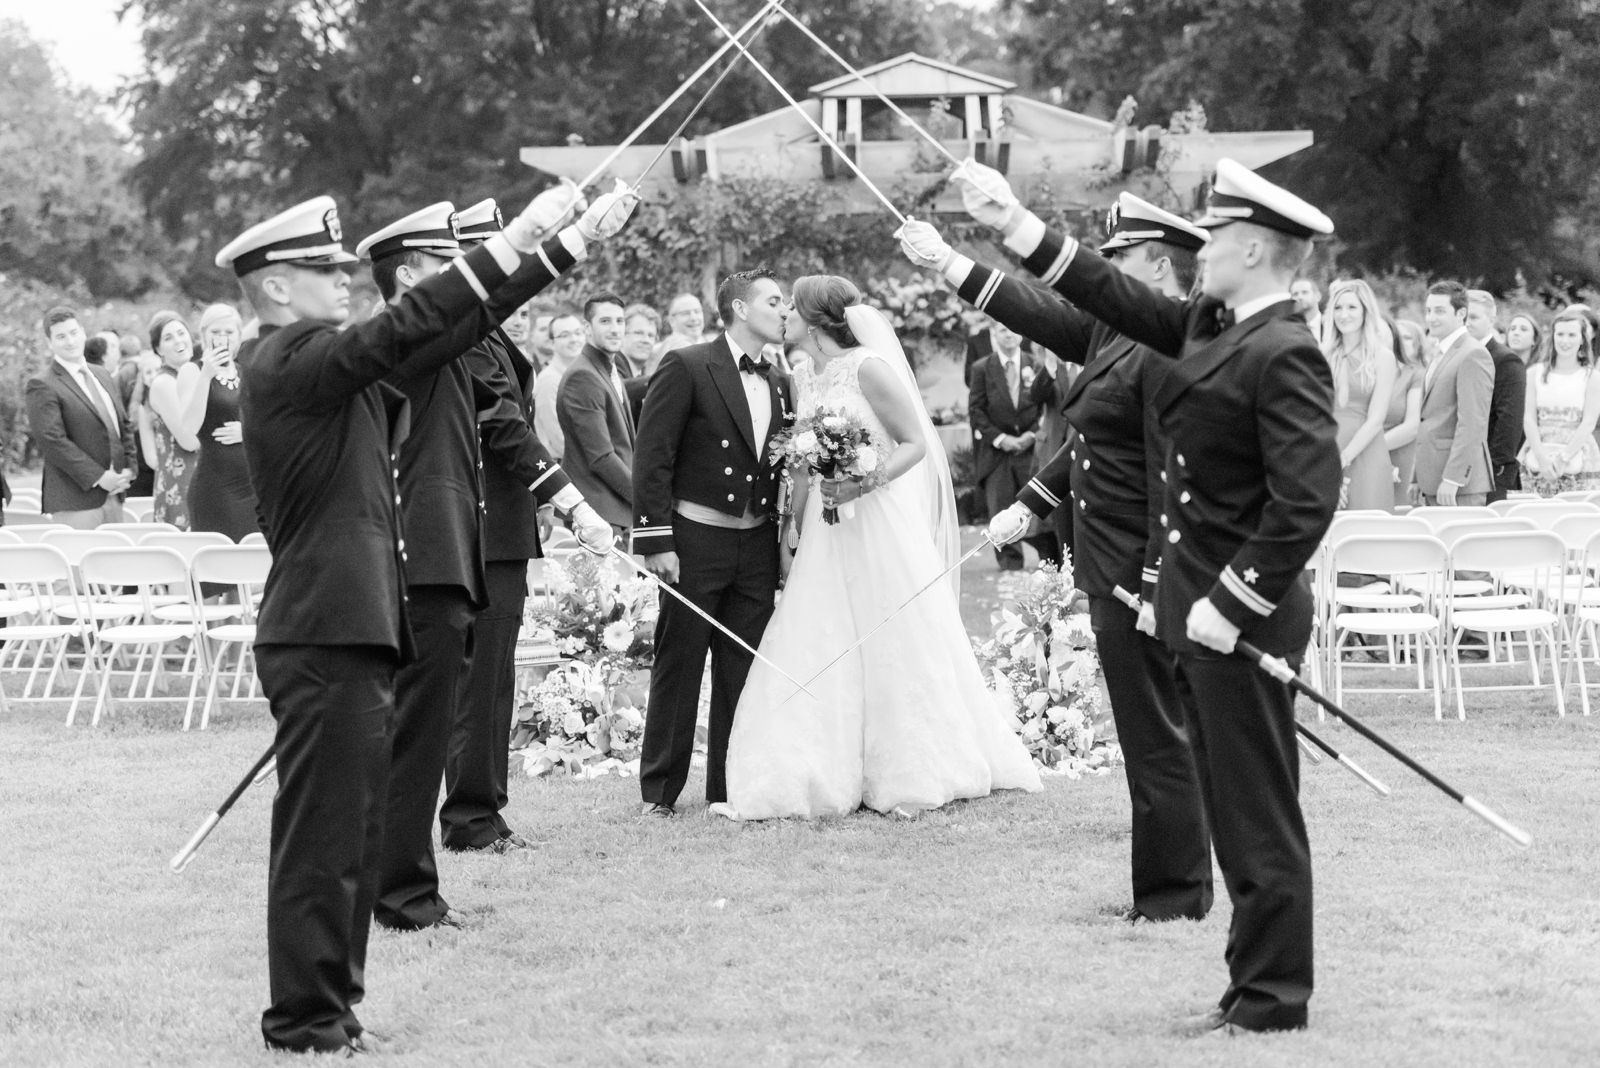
pixel 705 498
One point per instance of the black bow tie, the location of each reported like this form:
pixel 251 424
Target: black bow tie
pixel 754 367
pixel 1225 318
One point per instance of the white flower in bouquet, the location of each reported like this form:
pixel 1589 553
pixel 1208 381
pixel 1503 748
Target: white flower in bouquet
pixel 1037 700
pixel 833 422
pixel 572 724
pixel 805 441
pixel 867 461
pixel 596 735
pixel 594 690
pixel 618 636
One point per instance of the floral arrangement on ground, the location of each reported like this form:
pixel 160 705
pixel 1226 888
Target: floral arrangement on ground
pixel 1043 672
pixel 585 718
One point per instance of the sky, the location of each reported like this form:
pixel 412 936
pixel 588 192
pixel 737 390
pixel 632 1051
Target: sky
pixel 88 42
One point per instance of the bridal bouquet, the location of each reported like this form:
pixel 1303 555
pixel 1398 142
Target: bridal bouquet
pixel 1042 670
pixel 834 444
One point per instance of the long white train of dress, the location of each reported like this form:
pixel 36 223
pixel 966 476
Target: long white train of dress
pixel 904 722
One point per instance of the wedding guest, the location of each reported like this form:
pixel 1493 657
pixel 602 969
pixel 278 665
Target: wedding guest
pixel 1308 304
pixel 1561 410
pixel 1452 445
pixel 1404 418
pixel 82 431
pixel 1005 423
pixel 1049 390
pixel 142 370
pixel 642 325
pixel 979 346
pixel 518 325
pixel 538 347
pixel 1506 403
pixel 220 495
pixel 566 341
pixel 1360 352
pixel 598 428
pixel 94 351
pixel 688 321
pixel 177 448
pixel 1522 337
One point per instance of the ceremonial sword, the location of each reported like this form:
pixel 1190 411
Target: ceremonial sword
pixel 1304 735
pixel 258 771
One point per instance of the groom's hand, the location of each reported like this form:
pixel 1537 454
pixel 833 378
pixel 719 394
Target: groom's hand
pixel 663 566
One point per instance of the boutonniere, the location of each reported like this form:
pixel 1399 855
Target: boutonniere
pixel 1028 375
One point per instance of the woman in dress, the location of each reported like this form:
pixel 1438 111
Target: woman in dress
pixel 220 495
pixel 1404 418
pixel 1360 349
pixel 1523 336
pixel 904 723
pixel 176 448
pixel 1563 404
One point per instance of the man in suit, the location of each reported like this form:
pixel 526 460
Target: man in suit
pixel 1307 299
pixel 519 477
pixel 1453 464
pixel 324 447
pixel 979 345
pixel 592 408
pixel 1505 431
pixel 84 434
pixel 706 499
pixel 688 322
pixel 1005 422
pixel 1251 482
pixel 1109 479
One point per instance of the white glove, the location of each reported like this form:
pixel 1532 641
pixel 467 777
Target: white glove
pixel 923 246
pixel 985 193
pixel 543 214
pixel 608 213
pixel 593 533
pixel 1010 524
pixel 1146 623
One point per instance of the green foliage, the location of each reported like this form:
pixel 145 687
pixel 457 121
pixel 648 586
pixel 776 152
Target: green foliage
pixel 66 215
pixel 1453 136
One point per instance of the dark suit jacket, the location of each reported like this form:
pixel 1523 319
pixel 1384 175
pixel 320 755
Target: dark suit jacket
pixel 519 474
pixel 979 345
pixel 598 427
pixel 1505 415
pixel 76 444
pixel 322 434
pixel 1252 470
pixel 697 442
pixel 991 413
pixel 1113 470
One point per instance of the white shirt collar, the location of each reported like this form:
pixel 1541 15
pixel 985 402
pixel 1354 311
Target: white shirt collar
pixel 733 347
pixel 1243 311
pixel 81 367
pixel 1455 335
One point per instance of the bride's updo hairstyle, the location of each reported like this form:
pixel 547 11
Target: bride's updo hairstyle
pixel 820 301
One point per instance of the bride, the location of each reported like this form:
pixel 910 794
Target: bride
pixel 905 723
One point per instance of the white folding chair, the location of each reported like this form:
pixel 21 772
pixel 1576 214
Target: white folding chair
pixel 1586 613
pixel 1545 513
pixel 1576 495
pixel 1437 515
pixel 243 566
pixel 144 505
pixel 25 500
pixel 1413 618
pixel 253 538
pixel 135 531
pixel 1502 507
pixel 10 537
pixel 44 572
pixel 105 572
pixel 1542 614
pixel 33 533
pixel 1376 596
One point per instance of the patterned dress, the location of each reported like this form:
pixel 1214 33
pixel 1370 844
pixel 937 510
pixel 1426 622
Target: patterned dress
pixel 1558 408
pixel 174 470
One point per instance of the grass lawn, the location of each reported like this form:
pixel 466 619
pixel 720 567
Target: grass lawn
pixel 984 934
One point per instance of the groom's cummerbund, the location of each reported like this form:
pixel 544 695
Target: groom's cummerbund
pixel 699 513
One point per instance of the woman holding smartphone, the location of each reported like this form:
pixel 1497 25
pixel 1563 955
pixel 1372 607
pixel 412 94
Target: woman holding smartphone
pixel 220 497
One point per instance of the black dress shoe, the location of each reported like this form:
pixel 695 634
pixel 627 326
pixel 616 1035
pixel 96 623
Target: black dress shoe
pixel 657 811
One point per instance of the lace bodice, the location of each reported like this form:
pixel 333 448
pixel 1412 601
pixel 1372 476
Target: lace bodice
pixel 838 388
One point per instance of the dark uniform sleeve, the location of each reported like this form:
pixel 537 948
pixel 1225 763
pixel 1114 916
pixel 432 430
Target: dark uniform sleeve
pixel 1155 477
pixel 662 419
pixel 505 432
pixel 1096 287
pixel 1030 311
pixel 1296 433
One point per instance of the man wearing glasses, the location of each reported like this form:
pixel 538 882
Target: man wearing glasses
pixel 566 341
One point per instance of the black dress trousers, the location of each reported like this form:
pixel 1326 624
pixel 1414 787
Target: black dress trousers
pixel 428 691
pixel 1171 847
pixel 733 575
pixel 476 765
pixel 1241 724
pixel 334 707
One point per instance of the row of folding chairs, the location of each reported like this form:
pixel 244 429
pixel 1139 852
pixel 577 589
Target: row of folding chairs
pixel 1538 558
pixel 145 600
pixel 27 503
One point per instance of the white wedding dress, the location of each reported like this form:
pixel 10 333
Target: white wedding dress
pixel 906 721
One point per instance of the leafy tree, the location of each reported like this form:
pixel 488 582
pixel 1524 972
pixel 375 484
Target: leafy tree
pixel 249 105
pixel 65 214
pixel 1454 136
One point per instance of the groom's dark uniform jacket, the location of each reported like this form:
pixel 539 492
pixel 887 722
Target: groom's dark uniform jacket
pixel 1113 473
pixel 1252 482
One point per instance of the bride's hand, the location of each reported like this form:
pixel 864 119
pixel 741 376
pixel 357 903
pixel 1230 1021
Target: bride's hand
pixel 841 491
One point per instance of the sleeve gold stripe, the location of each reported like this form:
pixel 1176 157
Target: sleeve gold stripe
pixel 988 291
pixel 472 279
pixel 1038 487
pixel 1247 597
pixel 1063 260
pixel 535 483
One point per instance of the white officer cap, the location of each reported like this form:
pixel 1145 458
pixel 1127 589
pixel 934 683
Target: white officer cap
pixel 479 222
pixel 1132 221
pixel 307 235
pixel 428 230
pixel 1241 195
